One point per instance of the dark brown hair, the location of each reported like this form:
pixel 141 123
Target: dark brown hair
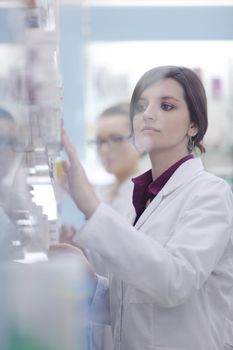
pixel 194 94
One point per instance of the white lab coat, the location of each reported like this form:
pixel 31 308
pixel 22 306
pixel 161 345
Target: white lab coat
pixel 121 201
pixel 99 335
pixel 229 328
pixel 173 271
pixel 229 332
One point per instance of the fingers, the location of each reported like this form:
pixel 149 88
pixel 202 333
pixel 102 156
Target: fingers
pixel 69 148
pixel 64 248
pixel 66 234
pixel 66 166
pixel 65 185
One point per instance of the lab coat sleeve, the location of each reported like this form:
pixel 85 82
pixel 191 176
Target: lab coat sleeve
pixel 170 274
pixel 229 326
pixel 99 307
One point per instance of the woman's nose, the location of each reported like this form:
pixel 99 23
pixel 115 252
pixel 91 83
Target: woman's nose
pixel 150 113
pixel 104 148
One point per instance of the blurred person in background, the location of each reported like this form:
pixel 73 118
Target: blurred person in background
pixel 119 157
pixel 172 267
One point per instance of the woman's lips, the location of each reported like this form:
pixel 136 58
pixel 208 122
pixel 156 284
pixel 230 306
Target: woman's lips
pixel 149 128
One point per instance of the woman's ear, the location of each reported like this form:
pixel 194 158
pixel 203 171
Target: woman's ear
pixel 193 129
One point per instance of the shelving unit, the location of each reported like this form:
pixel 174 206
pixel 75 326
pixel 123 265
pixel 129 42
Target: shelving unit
pixel 31 91
pixel 42 296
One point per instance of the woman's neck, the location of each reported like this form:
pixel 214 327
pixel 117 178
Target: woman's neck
pixel 123 176
pixel 164 159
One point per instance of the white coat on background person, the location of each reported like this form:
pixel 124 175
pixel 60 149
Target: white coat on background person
pixel 173 269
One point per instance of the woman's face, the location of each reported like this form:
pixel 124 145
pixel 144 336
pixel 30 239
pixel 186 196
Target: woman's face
pixel 118 155
pixel 162 118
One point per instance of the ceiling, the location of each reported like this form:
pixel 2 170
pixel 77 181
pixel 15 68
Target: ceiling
pixel 149 2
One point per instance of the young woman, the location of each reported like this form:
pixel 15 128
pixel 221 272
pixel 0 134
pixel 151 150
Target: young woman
pixel 172 267
pixel 113 140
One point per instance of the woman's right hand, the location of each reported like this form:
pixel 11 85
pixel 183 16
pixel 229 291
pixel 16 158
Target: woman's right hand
pixel 75 180
pixel 66 234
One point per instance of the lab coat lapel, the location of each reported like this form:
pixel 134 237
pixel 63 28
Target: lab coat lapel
pixel 148 211
pixel 185 173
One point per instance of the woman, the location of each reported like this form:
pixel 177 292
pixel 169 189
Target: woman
pixel 113 140
pixel 173 266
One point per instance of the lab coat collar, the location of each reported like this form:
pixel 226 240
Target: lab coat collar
pixel 185 173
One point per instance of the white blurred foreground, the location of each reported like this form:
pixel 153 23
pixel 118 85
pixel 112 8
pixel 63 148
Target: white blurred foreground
pixel 42 305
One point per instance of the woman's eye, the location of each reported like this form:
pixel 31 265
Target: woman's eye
pixel 167 107
pixel 140 107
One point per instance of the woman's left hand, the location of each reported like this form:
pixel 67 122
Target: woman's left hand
pixel 75 180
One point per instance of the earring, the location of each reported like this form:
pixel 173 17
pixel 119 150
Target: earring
pixel 191 144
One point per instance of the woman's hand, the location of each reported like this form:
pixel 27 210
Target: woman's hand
pixel 75 180
pixel 66 235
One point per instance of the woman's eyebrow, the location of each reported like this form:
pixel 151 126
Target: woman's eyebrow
pixel 169 98
pixel 141 99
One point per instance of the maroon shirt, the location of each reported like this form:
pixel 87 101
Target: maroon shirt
pixel 146 189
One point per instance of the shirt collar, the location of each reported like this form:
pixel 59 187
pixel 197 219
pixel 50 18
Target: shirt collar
pixel 145 188
pixel 156 186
